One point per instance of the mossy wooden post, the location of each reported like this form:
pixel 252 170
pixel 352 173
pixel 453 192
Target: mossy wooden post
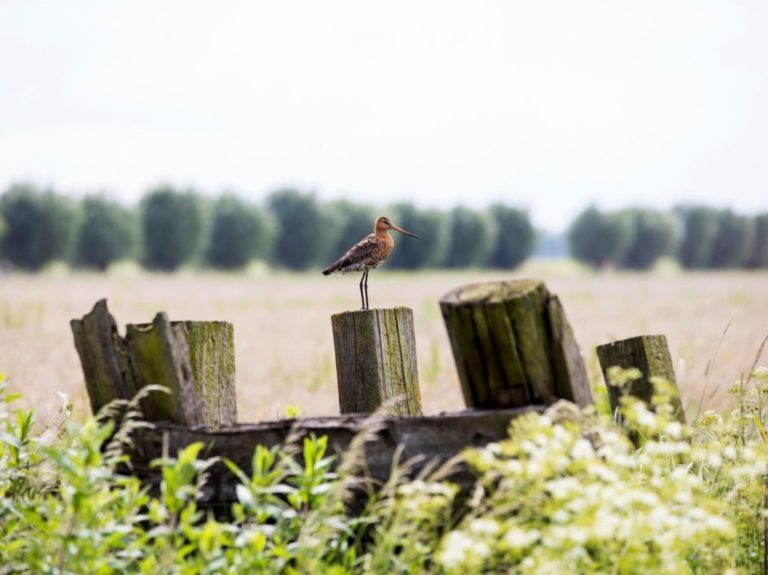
pixel 649 354
pixel 159 355
pixel 103 357
pixel 212 358
pixel 194 360
pixel 513 345
pixel 376 361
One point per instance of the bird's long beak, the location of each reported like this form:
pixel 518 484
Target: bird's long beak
pixel 406 232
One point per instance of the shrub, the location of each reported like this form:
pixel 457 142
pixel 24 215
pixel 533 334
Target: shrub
pixel 426 252
pixel 240 232
pixel 599 239
pixel 516 237
pixel 567 492
pixel 172 228
pixel 40 226
pixel 471 238
pixel 305 232
pixel 108 233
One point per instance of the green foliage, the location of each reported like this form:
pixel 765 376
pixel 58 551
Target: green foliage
pixel 700 227
pixel 516 237
pixel 758 258
pixel 172 227
pixel 567 492
pixel 108 233
pixel 40 226
pixel 732 244
pixel 305 233
pixel 240 232
pixel 426 252
pixel 471 238
pixel 599 239
pixel 653 236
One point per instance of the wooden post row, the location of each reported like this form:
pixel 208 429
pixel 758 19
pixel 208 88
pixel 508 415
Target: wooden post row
pixel 376 361
pixel 513 345
pixel 194 359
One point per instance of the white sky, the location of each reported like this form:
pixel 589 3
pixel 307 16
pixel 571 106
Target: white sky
pixel 549 105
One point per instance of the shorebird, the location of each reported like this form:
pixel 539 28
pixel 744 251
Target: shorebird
pixel 367 254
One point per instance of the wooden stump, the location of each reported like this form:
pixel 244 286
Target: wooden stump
pixel 376 361
pixel 647 353
pixel 513 345
pixel 193 360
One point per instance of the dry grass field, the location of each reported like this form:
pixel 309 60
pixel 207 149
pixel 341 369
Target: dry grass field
pixel 283 337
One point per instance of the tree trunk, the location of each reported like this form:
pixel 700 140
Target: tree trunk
pixel 376 361
pixel 513 345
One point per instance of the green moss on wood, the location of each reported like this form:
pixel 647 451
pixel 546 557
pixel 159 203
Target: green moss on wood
pixel 650 355
pixel 503 344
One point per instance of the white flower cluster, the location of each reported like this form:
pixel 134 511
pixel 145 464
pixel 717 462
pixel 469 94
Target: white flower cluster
pixel 583 498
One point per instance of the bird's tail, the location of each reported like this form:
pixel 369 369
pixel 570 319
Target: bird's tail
pixel 332 268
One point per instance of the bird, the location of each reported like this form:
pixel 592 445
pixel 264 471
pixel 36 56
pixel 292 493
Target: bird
pixel 368 253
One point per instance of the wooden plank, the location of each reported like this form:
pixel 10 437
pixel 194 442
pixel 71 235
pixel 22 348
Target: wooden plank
pixel 103 357
pixel 424 439
pixel 649 354
pixel 376 361
pixel 159 355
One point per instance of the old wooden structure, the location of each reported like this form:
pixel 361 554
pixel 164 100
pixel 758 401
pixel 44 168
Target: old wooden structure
pixel 376 361
pixel 513 345
pixel 514 349
pixel 650 355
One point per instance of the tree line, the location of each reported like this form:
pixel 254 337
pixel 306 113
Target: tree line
pixel 699 237
pixel 292 229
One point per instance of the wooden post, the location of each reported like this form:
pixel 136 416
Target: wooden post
pixel 513 345
pixel 647 353
pixel 212 356
pixel 102 355
pixel 194 360
pixel 376 361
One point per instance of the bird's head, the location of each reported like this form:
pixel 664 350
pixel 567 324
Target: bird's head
pixel 384 224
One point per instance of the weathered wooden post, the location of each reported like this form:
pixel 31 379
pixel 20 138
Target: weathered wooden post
pixel 376 361
pixel 194 360
pixel 650 355
pixel 513 345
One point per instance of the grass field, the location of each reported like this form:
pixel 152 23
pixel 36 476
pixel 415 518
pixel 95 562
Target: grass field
pixel 283 337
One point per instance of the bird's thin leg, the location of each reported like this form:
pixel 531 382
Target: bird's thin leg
pixel 367 301
pixel 362 295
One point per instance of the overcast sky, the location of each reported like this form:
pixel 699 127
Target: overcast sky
pixel 549 105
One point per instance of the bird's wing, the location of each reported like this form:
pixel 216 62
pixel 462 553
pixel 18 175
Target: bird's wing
pixel 356 256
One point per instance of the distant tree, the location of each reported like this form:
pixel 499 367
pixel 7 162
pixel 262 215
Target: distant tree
pixel 653 235
pixel 108 233
pixel 597 238
pixel 305 231
pixel 700 225
pixel 428 251
pixel 733 243
pixel 758 257
pixel 240 232
pixel 40 226
pixel 471 238
pixel 516 237
pixel 172 228
pixel 353 222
